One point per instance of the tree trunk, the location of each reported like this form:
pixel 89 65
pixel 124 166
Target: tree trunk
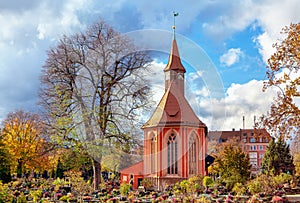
pixel 20 169
pixel 97 174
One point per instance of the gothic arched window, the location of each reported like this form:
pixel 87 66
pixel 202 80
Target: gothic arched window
pixel 172 154
pixel 153 153
pixel 193 155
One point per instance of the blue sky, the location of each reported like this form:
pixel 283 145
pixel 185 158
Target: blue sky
pixel 237 37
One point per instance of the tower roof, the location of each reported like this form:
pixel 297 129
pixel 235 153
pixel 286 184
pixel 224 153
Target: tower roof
pixel 173 110
pixel 174 62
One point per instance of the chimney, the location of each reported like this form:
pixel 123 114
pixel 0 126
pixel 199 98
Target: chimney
pixel 243 122
pixel 254 120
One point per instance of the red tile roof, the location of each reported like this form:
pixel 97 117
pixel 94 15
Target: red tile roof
pixel 136 169
pixel 174 59
pixel 173 109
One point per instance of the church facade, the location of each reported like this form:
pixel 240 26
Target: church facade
pixel 175 144
pixel 174 137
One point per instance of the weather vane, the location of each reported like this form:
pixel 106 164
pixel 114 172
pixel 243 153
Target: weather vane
pixel 174 26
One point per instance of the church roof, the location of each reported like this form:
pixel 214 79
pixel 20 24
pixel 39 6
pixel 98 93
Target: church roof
pixel 173 110
pixel 136 169
pixel 174 59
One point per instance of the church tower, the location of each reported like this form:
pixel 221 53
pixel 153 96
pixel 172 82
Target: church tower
pixel 174 137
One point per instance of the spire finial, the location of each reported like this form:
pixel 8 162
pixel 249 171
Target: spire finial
pixel 174 26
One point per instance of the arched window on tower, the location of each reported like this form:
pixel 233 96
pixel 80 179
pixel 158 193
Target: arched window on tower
pixel 153 153
pixel 193 155
pixel 172 154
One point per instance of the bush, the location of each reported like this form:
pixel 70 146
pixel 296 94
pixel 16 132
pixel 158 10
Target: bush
pixel 36 195
pixel 22 198
pixel 195 183
pixel 282 178
pixel 79 185
pixel 262 183
pixel 5 195
pixel 124 189
pixel 147 183
pixel 189 187
pixel 239 189
pixel 64 198
pixel 207 181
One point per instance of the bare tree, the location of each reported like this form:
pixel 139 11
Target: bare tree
pixel 92 89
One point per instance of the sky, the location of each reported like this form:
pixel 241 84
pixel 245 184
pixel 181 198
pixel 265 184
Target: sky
pixel 225 46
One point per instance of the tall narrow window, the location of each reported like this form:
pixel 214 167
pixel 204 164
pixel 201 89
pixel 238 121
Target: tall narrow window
pixel 192 155
pixel 153 153
pixel 172 155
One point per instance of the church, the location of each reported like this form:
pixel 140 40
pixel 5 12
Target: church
pixel 174 137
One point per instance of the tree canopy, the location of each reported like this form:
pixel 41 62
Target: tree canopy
pixel 283 118
pixel 277 158
pixel 5 163
pixel 93 88
pixel 22 136
pixel 231 164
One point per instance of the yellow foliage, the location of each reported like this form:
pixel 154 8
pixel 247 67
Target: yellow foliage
pixel 283 118
pixel 22 135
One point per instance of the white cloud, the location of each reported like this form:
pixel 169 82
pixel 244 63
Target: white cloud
pixel 156 78
pixel 231 57
pixel 241 100
pixel 265 43
pixel 28 29
pixel 272 17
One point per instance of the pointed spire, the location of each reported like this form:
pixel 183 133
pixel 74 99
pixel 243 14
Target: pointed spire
pixel 174 62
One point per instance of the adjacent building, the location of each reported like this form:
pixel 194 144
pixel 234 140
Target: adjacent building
pixel 253 141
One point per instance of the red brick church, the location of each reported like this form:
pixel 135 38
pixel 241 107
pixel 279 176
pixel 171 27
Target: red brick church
pixel 174 137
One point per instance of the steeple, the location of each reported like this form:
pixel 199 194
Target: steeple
pixel 174 58
pixel 174 62
pixel 173 108
pixel 174 71
pixel 174 137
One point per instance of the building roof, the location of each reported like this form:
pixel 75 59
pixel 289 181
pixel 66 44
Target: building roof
pixel 223 136
pixel 174 62
pixel 135 169
pixel 173 109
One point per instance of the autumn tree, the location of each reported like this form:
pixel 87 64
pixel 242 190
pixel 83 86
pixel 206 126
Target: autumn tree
pixel 22 134
pixel 297 163
pixel 295 151
pixel 277 158
pixel 283 118
pixel 231 164
pixel 92 89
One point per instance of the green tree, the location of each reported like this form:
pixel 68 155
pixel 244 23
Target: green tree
pixel 93 87
pixel 277 158
pixel 5 164
pixel 231 164
pixel 283 118
pixel 59 173
pixel 76 159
